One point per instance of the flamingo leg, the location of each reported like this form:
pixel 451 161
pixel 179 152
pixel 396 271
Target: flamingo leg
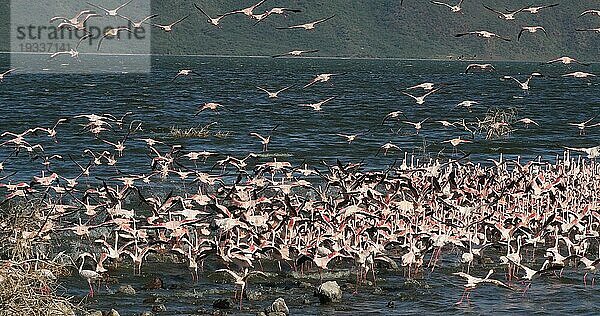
pixel 462 297
pixel 91 288
pixel 526 288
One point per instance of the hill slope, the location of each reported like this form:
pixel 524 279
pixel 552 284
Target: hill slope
pixel 381 28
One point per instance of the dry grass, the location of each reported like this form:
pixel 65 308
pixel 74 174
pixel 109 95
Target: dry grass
pixel 192 132
pixel 28 278
pixel 498 123
pixel 30 288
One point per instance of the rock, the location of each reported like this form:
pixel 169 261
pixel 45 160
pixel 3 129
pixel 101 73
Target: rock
pixel 95 313
pixel 146 313
pixel 305 285
pixel 159 308
pixel 222 303
pixel 154 300
pixel 391 304
pixel 487 260
pixel 278 308
pixel 113 312
pixel 254 295
pixel 154 284
pixel 126 289
pixel 329 292
pixel 306 301
pixel 378 291
pixel 261 314
pixel 62 309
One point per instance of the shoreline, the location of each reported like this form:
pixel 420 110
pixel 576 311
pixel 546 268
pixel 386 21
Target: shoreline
pixel 304 57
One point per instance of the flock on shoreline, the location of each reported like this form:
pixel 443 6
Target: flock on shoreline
pixel 533 219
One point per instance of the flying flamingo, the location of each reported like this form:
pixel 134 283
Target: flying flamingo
pixel 109 12
pixel 296 53
pixel 273 95
pixel 307 26
pixel 453 8
pixel 2 75
pixel 169 28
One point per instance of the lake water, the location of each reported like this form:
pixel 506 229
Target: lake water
pixel 366 91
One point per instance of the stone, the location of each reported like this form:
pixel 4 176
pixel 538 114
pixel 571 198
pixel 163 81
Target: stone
pixel 487 260
pixel 329 292
pixel 146 313
pixel 159 308
pixel 95 313
pixel 113 312
pixel 62 309
pixel 126 289
pixel 222 303
pixel 154 300
pixel 254 295
pixel 278 308
pixel 154 284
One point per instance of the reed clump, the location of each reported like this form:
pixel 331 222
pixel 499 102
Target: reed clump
pixel 192 132
pixel 28 277
pixel 498 123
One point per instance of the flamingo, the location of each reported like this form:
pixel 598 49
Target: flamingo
pixel 89 275
pixel 566 60
pixel 531 29
pixel 108 12
pixel 183 72
pixel 264 140
pixel 489 67
pixel 594 30
pixel 418 125
pixel 216 20
pixel 296 53
pixel 273 95
pixel 424 86
pixel 318 106
pixel 112 33
pixel 307 26
pixel 592 12
pixel 524 85
pixel 421 99
pixel 535 10
pixel 509 15
pixel 592 152
pixel 453 8
pixel 138 25
pixel 474 282
pixel 241 279
pixel 484 34
pixel 579 74
pixel 169 28
pixel 73 20
pixel 3 75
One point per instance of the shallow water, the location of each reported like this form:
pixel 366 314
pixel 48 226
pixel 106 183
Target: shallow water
pixel 427 292
pixel 367 91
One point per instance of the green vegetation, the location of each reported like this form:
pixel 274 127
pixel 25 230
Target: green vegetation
pixel 382 28
pixel 379 28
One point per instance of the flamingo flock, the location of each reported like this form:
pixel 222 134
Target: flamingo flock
pixel 531 219
pixel 244 212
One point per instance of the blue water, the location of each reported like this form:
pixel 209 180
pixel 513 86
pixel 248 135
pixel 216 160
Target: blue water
pixel 365 93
